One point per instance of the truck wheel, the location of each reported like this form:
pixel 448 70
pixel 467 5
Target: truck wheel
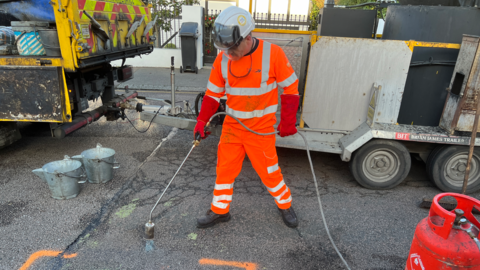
pixel 8 133
pixel 380 164
pixel 448 169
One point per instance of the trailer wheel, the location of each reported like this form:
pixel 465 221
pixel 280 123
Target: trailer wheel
pixel 448 169
pixel 429 163
pixel 380 164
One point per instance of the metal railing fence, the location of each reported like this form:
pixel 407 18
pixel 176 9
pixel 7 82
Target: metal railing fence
pixel 168 38
pixel 281 21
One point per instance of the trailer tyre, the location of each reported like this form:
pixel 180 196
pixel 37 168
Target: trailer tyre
pixel 448 169
pixel 431 156
pixel 380 164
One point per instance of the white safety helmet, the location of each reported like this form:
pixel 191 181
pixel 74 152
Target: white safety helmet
pixel 231 27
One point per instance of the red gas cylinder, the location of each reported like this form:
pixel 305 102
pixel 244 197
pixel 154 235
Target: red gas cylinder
pixel 447 239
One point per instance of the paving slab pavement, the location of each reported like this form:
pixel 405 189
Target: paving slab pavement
pixel 102 228
pixel 158 79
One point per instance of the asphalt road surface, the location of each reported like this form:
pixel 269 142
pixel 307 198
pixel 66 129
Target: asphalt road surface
pixel 102 228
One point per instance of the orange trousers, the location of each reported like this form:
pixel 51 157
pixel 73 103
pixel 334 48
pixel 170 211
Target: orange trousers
pixel 261 151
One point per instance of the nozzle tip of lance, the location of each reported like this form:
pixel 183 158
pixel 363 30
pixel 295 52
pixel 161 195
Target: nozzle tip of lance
pixel 149 230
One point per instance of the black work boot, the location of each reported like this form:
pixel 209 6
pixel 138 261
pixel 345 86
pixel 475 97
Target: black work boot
pixel 289 217
pixel 211 219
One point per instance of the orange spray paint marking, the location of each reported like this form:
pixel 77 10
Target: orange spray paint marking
pixel 44 253
pixel 69 256
pixel 245 265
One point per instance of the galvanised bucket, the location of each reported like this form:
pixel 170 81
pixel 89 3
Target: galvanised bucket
pixel 99 163
pixel 50 42
pixel 62 177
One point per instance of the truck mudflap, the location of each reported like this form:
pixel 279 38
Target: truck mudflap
pixel 31 93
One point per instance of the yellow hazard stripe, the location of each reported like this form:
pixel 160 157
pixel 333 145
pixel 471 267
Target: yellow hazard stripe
pixel 108 7
pixel 29 61
pixel 31 120
pixel 412 44
pixel 131 10
pixel 90 5
pixel 115 39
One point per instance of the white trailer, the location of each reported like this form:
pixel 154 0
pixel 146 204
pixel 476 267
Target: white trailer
pixel 351 103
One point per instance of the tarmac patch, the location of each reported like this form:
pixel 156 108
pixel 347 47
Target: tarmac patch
pixel 141 156
pixel 10 211
pixel 313 257
pixel 396 261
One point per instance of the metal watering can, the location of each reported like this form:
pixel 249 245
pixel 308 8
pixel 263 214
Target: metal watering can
pixel 99 163
pixel 62 177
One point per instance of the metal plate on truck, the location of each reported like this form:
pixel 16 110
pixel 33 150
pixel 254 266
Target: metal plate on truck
pixel 85 31
pixel 340 79
pixel 31 94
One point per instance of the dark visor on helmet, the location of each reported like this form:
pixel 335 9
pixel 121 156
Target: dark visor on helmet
pixel 226 37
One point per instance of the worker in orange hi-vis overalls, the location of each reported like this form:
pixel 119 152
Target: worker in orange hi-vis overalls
pixel 248 70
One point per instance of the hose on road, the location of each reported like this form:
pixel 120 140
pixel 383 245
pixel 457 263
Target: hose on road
pixel 313 173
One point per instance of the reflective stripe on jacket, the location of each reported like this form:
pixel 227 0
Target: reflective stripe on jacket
pixel 253 98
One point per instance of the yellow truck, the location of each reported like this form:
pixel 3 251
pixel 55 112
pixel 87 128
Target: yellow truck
pixel 64 52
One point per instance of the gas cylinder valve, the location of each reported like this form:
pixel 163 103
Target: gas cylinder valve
pixel 459 214
pixel 467 227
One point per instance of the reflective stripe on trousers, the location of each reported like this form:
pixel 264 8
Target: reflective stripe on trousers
pixel 233 146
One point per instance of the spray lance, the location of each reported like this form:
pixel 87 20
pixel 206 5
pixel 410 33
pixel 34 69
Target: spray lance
pixel 150 226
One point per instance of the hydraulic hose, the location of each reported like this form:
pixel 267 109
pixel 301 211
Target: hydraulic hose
pixel 313 173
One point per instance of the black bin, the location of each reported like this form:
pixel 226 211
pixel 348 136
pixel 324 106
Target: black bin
pixel 188 39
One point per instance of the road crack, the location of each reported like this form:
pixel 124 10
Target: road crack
pixel 104 212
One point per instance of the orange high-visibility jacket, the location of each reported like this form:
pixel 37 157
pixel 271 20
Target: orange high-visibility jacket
pixel 253 98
